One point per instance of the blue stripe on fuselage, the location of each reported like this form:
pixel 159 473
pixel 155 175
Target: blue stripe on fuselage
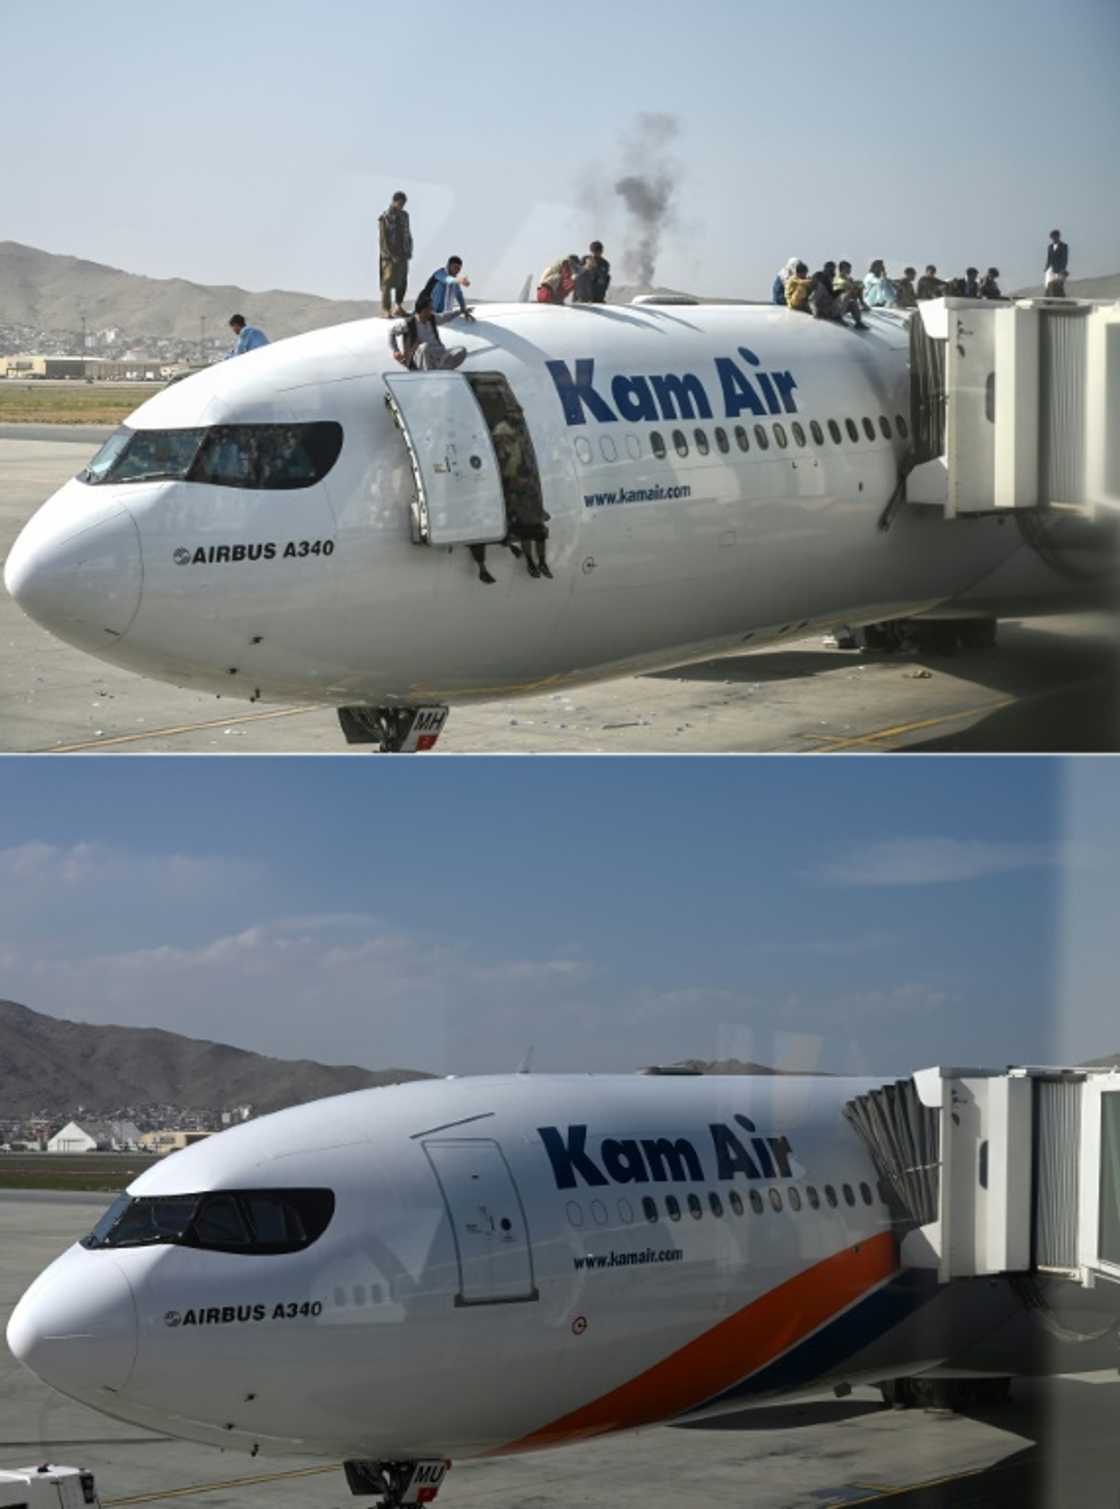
pixel 829 1348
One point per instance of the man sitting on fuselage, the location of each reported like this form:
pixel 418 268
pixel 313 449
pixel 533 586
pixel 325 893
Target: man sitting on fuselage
pixel 416 342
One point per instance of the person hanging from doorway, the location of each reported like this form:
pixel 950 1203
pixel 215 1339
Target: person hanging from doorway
pixel 528 522
pixel 415 340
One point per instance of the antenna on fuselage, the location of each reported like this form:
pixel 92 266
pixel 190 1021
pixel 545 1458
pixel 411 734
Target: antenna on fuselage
pixel 526 1065
pixel 525 296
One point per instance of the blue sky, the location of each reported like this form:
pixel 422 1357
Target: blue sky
pixel 856 914
pixel 256 144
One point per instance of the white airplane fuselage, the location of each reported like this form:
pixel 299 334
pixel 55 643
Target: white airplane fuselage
pixel 701 546
pixel 495 1265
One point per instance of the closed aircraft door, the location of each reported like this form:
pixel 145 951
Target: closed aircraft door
pixel 459 498
pixel 487 1221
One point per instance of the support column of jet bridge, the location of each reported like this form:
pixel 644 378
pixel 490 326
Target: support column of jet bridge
pixel 1030 393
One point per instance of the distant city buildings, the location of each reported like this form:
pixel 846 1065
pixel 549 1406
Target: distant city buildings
pixel 157 1129
pixel 114 344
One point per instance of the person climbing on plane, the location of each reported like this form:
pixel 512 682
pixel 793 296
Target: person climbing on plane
pixel 528 521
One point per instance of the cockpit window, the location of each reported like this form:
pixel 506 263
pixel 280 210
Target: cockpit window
pixel 249 1221
pixel 265 457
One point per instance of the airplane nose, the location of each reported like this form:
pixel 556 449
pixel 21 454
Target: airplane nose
pixel 76 1326
pixel 78 574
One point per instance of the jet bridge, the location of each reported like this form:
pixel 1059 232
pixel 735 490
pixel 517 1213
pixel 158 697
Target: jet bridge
pixel 992 1172
pixel 1015 405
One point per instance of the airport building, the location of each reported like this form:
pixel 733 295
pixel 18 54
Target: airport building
pixel 169 1141
pixel 94 1136
pixel 88 368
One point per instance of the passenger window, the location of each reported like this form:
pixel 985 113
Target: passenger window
pixel 798 433
pixel 742 440
pixel 830 1196
pixel 816 431
pixel 901 426
pixel 865 1192
pixel 695 1209
pixel 701 442
pixel 672 1206
pixel 680 442
pixel 812 1196
pixel 775 1199
pixel 849 1195
pixel 722 441
pixel 834 431
pixel 626 1212
pixel 735 1200
pixel 575 1213
pixel 852 429
pixel 885 426
pixel 794 1198
pixel 649 1207
pixel 762 439
pixel 869 429
pixel 716 1204
pixel 608 448
pixel 657 445
pixel 780 436
pixel 598 1212
pixel 756 1202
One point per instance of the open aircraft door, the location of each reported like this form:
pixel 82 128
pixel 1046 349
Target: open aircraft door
pixel 487 1221
pixel 459 498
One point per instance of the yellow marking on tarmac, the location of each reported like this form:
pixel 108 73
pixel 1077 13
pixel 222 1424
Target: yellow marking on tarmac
pixel 877 1495
pixel 248 1482
pixel 181 728
pixel 837 741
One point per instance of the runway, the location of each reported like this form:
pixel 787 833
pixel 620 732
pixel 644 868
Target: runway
pixel 1052 685
pixel 1052 1448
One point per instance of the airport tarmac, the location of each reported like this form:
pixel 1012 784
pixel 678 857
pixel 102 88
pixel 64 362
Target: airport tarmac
pixel 1052 685
pixel 1051 1448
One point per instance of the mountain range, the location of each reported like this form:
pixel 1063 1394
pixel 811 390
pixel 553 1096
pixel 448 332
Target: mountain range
pixel 47 1063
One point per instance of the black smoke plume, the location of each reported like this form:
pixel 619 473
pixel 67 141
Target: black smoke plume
pixel 647 189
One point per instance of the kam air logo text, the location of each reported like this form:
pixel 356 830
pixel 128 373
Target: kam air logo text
pixel 743 386
pixel 667 1160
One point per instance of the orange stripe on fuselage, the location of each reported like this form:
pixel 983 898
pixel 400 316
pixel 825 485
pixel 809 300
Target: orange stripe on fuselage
pixel 739 1345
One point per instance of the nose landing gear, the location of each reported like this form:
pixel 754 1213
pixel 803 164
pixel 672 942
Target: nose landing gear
pixel 397 1483
pixel 395 730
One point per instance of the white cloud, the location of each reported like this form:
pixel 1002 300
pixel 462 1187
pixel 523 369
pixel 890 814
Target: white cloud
pixel 33 870
pixel 937 861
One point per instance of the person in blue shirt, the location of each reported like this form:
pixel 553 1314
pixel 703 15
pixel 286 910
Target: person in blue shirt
pixel 444 285
pixel 246 337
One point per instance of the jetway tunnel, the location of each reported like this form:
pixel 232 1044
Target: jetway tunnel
pixel 1015 406
pixel 1001 1172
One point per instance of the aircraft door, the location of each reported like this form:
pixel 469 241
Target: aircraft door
pixel 487 1221
pixel 459 498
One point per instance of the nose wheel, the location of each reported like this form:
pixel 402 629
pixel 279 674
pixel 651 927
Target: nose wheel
pixel 397 1483
pixel 395 730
